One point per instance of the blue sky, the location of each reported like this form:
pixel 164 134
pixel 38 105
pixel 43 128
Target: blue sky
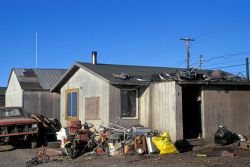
pixel 133 32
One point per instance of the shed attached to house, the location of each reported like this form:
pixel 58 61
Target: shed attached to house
pixel 206 105
pixel 30 89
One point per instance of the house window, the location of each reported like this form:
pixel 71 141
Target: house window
pixel 129 103
pixel 72 103
pixel 92 108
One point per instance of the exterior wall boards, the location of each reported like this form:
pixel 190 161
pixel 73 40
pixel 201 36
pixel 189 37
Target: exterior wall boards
pixel 227 107
pixel 45 103
pixel 166 109
pixel 89 85
pixel 144 106
pixel 14 93
pixel 115 109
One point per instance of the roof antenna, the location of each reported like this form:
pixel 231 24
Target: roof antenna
pixel 36 52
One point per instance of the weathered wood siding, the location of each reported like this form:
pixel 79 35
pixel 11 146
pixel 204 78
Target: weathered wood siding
pixel 228 107
pixel 115 109
pixel 144 106
pixel 45 103
pixel 166 109
pixel 89 86
pixel 14 93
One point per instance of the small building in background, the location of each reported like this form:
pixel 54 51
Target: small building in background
pixel 2 96
pixel 30 89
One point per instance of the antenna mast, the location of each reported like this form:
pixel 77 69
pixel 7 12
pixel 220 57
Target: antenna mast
pixel 36 52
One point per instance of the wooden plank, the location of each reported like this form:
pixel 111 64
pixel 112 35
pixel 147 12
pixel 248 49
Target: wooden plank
pixel 92 105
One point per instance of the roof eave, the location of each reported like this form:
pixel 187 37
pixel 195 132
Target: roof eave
pixel 70 72
pixel 235 83
pixel 65 77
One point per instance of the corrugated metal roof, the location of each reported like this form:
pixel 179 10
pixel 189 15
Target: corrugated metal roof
pixel 38 79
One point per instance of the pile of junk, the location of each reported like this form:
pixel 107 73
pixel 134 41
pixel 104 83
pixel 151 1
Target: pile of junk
pixel 111 139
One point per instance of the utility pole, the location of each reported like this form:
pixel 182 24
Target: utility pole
pixel 201 61
pixel 247 69
pixel 187 48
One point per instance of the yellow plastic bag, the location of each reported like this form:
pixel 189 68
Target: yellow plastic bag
pixel 163 144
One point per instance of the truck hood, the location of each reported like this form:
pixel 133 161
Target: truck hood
pixel 16 120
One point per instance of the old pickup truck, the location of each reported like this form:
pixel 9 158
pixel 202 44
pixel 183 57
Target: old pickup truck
pixel 17 126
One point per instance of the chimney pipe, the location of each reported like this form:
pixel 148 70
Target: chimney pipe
pixel 94 57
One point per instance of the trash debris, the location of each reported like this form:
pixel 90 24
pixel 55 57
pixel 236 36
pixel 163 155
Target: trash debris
pixel 47 129
pixel 241 137
pixel 40 158
pixel 225 137
pixel 76 139
pixel 151 146
pixel 163 144
pixel 245 145
pixel 140 151
pixel 183 75
pixel 115 148
pixel 122 76
pixel 223 153
pixel 227 153
pixel 144 79
pixel 129 148
pixel 140 144
pixel 45 155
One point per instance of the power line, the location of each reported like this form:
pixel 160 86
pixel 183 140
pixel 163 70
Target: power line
pixel 233 61
pixel 180 64
pixel 227 55
pixel 228 66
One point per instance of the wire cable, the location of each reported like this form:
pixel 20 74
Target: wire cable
pixel 226 62
pixel 227 55
pixel 227 66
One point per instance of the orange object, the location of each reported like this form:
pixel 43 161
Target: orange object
pixel 129 148
pixel 99 150
pixel 140 142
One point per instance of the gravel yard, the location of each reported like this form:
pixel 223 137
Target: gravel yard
pixel 19 157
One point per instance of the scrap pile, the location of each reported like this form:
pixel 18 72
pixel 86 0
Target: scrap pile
pixel 181 75
pixel 111 139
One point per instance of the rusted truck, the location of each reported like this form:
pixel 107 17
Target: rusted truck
pixel 16 126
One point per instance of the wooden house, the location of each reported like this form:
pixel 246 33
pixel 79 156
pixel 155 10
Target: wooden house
pixel 30 89
pixel 129 95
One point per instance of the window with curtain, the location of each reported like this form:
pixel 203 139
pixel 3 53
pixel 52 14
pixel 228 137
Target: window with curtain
pixel 72 103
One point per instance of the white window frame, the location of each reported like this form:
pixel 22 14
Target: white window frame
pixel 137 106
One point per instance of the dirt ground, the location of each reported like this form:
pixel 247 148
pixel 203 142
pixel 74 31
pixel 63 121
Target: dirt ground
pixel 19 157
